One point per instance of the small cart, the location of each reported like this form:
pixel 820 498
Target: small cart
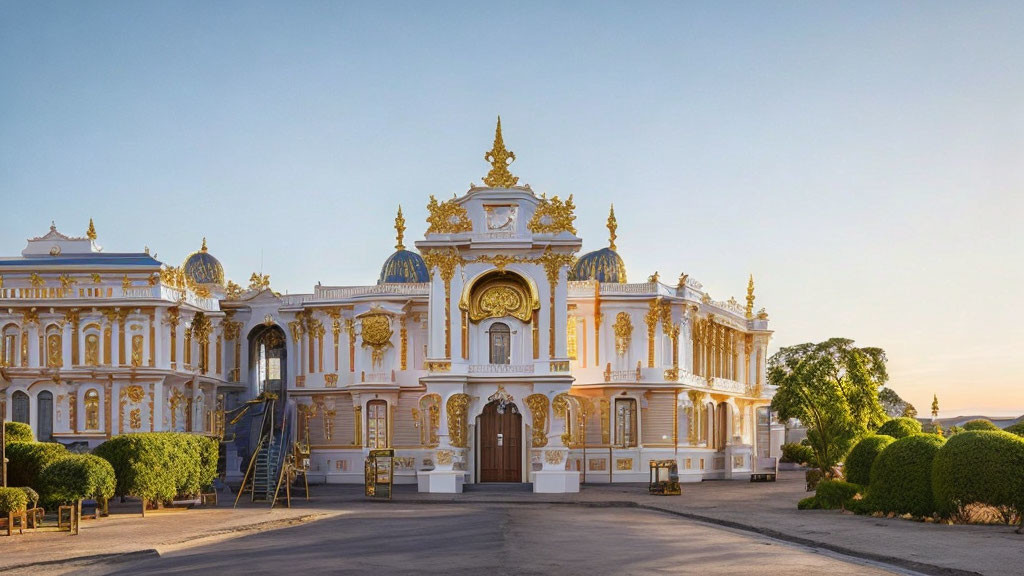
pixel 665 478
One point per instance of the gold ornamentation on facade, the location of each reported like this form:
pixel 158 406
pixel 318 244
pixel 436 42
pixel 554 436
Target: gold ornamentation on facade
pixel 444 457
pixel 554 457
pixel 553 216
pixel 233 291
pixel 624 464
pixel 96 279
pixel 404 342
pixel 623 329
pixel 538 405
pixel 559 366
pixel 67 283
pixel 750 297
pixel 428 419
pixel 399 229
pixel 500 159
pixel 438 366
pixel 135 419
pixel 605 407
pixel 54 352
pixel 762 314
pixel 448 217
pixel 654 278
pixel 259 282
pixel 91 232
pixel 36 280
pixel 136 351
pixel 612 225
pixel 135 393
pixel 377 334
pixel 126 283
pixel 457 419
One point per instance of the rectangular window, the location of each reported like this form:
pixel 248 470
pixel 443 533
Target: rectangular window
pixel 377 424
pixel 625 422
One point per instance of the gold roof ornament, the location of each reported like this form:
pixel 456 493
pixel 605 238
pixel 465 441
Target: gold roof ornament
pixel 400 229
pixel 500 159
pixel 203 249
pixel 612 224
pixel 750 297
pixel 91 232
pixel 553 216
pixel 447 217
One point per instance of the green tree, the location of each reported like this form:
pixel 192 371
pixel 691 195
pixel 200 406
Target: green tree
pixel 935 406
pixel 895 406
pixel 832 388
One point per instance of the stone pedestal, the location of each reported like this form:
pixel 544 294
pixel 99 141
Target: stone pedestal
pixel 556 481
pixel 441 481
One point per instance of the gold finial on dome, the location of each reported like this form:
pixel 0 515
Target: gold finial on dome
pixel 500 158
pixel 400 228
pixel 613 225
pixel 750 297
pixel 203 249
pixel 91 232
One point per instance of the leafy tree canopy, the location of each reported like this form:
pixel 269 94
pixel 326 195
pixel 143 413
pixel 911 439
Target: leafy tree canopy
pixel 832 388
pixel 895 406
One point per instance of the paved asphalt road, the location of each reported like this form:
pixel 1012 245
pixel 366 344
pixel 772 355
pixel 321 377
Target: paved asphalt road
pixel 494 539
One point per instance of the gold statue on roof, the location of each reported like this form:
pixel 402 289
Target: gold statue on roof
pixel 750 297
pixel 91 232
pixel 400 229
pixel 500 158
pixel 612 224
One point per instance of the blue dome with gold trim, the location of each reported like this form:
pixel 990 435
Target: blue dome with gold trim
pixel 604 265
pixel 404 266
pixel 203 268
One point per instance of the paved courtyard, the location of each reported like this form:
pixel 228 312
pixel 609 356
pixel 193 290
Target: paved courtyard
pixel 494 539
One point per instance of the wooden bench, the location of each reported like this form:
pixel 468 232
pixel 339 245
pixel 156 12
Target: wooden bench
pixel 767 469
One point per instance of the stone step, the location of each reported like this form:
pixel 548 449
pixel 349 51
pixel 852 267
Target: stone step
pixel 499 487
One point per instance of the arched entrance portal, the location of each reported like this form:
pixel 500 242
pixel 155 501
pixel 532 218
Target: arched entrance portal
pixel 501 446
pixel 268 360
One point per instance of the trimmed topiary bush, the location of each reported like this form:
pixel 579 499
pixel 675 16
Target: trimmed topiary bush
pixel 161 465
pixel 12 500
pixel 979 424
pixel 833 494
pixel 979 467
pixel 899 428
pixel 797 453
pixel 858 463
pixel 17 432
pixel 1016 429
pixel 901 478
pixel 809 503
pixel 77 477
pixel 27 460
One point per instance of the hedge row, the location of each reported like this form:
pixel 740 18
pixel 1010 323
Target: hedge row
pixel 979 467
pixel 12 500
pixel 797 453
pixel 28 459
pixel 901 477
pixel 161 465
pixel 77 477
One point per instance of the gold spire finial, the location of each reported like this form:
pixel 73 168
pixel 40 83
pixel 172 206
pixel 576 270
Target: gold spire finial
pixel 400 228
pixel 91 232
pixel 203 249
pixel 750 297
pixel 613 224
pixel 500 158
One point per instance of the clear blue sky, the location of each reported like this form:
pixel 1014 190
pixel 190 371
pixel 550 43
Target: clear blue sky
pixel 864 161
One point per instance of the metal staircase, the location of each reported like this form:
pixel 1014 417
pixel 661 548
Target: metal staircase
pixel 265 466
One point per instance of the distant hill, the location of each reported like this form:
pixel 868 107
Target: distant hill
pixel 1003 422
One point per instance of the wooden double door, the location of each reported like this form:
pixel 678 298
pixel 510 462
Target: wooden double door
pixel 501 446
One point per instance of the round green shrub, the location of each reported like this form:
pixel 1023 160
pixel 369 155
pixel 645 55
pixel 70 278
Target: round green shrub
pixel 161 465
pixel 979 424
pixel 32 495
pixel 17 432
pixel 77 477
pixel 833 494
pixel 979 467
pixel 899 428
pixel 1017 429
pixel 797 453
pixel 27 460
pixel 901 477
pixel 12 500
pixel 858 462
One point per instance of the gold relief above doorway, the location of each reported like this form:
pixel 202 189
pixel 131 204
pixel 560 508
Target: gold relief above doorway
pixel 500 294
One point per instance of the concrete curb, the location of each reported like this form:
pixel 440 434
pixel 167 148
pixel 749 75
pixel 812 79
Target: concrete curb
pixel 894 561
pixel 172 546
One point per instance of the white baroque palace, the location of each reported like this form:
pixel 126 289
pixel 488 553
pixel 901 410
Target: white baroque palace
pixel 493 354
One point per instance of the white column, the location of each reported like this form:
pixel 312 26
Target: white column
pixel 65 345
pixel 115 342
pixel 33 346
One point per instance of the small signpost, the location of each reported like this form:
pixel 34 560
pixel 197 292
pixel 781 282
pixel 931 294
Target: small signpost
pixel 665 478
pixel 380 473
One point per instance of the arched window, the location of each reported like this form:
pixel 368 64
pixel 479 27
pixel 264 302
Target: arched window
pixel 377 424
pixel 44 410
pixel 19 407
pixel 501 343
pixel 625 422
pixel 92 410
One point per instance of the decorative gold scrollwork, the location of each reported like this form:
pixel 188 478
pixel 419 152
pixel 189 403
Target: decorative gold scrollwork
pixel 538 404
pixel 377 334
pixel 457 419
pixel 623 328
pixel 497 295
pixel 553 216
pixel 448 217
